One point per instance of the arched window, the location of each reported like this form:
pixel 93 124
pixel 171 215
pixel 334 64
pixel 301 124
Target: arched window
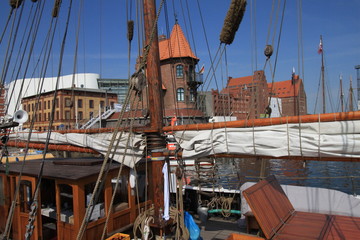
pixel 179 71
pixel 180 94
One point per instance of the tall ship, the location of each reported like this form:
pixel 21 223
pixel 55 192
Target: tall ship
pixel 112 170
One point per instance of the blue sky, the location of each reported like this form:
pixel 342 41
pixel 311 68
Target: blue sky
pixel 103 45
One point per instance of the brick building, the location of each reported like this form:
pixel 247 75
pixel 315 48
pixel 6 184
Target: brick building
pixel 248 97
pixel 292 95
pixel 73 106
pixel 180 81
pixel 244 97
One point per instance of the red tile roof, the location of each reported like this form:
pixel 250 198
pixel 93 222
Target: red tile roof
pixel 238 82
pixel 285 88
pixel 176 46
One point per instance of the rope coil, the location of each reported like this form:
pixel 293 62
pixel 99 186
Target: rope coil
pixel 232 21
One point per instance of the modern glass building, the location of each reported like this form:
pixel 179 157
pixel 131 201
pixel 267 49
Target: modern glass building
pixel 118 86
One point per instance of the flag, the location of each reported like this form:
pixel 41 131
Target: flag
pixel 320 49
pixel 202 69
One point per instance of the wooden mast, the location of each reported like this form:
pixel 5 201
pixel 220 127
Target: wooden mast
pixel 154 134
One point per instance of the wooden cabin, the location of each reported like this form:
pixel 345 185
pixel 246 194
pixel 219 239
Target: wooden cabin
pixel 66 189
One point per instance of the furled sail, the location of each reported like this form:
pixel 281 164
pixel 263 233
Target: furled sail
pixel 315 140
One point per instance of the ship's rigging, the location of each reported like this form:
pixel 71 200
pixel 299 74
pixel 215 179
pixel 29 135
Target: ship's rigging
pixel 126 147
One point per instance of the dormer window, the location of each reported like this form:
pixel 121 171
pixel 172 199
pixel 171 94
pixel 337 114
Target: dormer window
pixel 179 71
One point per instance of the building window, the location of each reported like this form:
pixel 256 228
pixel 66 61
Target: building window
pixel 179 71
pixel 44 116
pixel 91 103
pixel 39 105
pixel 80 115
pixel 24 107
pixel 80 103
pixel 44 105
pixel 49 107
pixel 32 107
pixel 39 117
pixel 102 104
pixel 180 94
pixel 68 102
pixel 67 115
pixel 91 114
pixel 192 95
pixel 57 102
pixel 49 116
pixel 57 115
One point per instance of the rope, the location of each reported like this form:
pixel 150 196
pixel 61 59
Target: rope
pixel 34 205
pixel 223 203
pixel 101 173
pixel 7 24
pixel 141 220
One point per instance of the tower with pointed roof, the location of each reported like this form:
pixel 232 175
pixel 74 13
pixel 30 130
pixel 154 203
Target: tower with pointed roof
pixel 180 80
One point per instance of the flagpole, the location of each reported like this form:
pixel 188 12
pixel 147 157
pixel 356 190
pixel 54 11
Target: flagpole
pixel 322 75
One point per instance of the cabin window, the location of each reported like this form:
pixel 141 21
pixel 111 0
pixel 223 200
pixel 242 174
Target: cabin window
pixel 66 203
pixel 80 103
pixel 2 192
pixel 141 184
pixel 180 94
pixel 179 71
pixel 121 201
pixel 99 210
pixel 25 195
pixel 91 103
pixel 67 102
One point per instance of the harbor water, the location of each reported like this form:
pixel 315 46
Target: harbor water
pixel 342 176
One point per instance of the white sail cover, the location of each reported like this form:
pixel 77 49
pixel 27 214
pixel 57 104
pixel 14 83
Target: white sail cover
pixel 326 139
pixel 99 142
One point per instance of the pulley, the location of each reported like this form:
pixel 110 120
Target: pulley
pixel 268 51
pixel 138 80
